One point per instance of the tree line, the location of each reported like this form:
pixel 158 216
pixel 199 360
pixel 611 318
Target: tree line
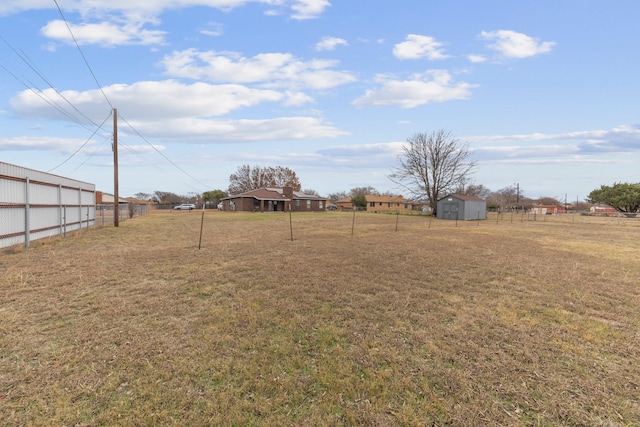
pixel 429 167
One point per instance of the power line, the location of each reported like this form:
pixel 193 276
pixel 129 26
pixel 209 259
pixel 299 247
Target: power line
pixel 82 146
pixel 39 92
pixel 82 54
pixel 162 154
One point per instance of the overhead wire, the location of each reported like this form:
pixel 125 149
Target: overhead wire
pixel 161 153
pixel 27 60
pixel 82 54
pixel 109 102
pixel 82 146
pixel 42 94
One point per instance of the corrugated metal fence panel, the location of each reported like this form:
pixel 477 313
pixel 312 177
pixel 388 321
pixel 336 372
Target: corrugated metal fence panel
pixel 12 191
pixel 88 198
pixel 70 196
pixel 34 175
pixel 42 194
pixel 44 217
pixel 12 220
pixel 56 204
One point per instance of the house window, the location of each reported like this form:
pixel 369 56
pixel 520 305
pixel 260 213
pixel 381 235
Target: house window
pixel 406 205
pixel 320 204
pixel 298 204
pixel 380 203
pixel 388 205
pixel 308 204
pixel 372 204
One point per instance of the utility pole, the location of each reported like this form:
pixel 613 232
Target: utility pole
pixel 517 195
pixel 116 195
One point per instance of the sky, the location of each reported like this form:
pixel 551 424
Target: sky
pixel 544 93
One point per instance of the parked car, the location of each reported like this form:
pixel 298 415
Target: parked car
pixel 331 207
pixel 185 206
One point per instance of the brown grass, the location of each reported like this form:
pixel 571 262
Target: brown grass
pixel 504 322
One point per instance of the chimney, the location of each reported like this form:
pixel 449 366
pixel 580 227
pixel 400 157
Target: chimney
pixel 288 192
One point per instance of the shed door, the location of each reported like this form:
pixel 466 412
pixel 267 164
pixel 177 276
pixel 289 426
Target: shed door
pixel 450 210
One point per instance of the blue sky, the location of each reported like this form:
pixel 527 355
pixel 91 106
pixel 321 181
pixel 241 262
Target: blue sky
pixel 545 93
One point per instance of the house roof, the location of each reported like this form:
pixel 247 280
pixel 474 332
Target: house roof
pixel 274 193
pixel 261 194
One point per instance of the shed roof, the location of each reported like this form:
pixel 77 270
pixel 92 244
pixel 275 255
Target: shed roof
pixel 464 197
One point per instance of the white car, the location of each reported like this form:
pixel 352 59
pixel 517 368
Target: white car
pixel 185 206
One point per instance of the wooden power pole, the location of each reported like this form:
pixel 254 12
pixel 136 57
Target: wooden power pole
pixel 116 195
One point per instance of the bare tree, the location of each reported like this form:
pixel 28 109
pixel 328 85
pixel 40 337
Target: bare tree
pixel 337 196
pixel 143 196
pixel 249 178
pixel 432 165
pixel 311 192
pixel 508 197
pixel 470 189
pixel 166 197
pixel 363 190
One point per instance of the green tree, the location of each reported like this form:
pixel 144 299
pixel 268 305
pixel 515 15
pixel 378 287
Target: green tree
pixel 214 196
pixel 622 196
pixel 359 200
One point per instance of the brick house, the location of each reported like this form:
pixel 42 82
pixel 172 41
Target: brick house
pixel 547 209
pixel 274 199
pixel 379 204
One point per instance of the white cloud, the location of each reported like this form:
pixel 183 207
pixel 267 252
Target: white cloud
pixel 561 147
pixel 309 9
pixel 268 69
pixel 99 145
pixel 213 29
pixel 127 19
pixel 330 43
pixel 476 59
pixel 417 46
pixel 300 9
pixel 169 110
pixel 432 86
pixel 151 99
pixel 39 143
pixel 104 33
pixel 192 129
pixel 511 44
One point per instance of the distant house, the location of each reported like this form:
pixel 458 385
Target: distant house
pixel 603 210
pixel 459 206
pixel 137 201
pixel 344 204
pixel 274 199
pixel 547 209
pixel 107 199
pixel 379 204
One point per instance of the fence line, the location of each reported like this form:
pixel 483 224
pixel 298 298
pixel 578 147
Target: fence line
pixel 105 212
pixel 35 205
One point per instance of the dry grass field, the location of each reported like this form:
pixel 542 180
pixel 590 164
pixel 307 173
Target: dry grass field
pixel 508 322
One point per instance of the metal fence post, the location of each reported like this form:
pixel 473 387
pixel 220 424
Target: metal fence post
pixel 27 215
